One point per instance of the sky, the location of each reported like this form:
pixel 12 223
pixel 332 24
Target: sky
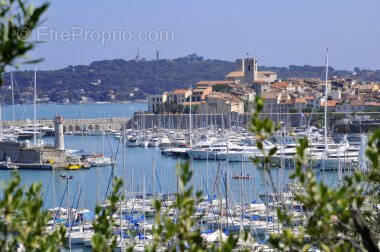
pixel 276 32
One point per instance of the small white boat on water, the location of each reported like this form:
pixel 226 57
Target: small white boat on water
pixel 8 165
pixel 98 160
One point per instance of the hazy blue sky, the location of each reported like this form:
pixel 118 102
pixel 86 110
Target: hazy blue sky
pixel 276 32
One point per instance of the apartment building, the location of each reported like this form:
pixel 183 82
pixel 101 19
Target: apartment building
pixel 221 103
pixel 156 101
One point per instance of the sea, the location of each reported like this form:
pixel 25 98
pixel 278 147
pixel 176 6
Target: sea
pixel 141 169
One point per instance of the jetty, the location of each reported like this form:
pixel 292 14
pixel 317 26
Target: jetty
pixel 77 125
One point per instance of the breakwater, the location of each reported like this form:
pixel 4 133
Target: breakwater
pixel 185 121
pixel 77 125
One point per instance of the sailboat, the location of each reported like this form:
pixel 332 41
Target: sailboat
pixel 329 156
pixel 30 131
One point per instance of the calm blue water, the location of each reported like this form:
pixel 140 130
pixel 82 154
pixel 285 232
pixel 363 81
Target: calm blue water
pixel 139 162
pixel 73 111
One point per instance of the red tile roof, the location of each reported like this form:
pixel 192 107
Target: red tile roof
pixel 265 72
pixel 260 82
pixel 181 91
pixel 329 103
pixel 236 74
pixel 300 100
pixel 213 82
pixel 199 90
pixel 309 98
pixel 279 85
pixel 223 96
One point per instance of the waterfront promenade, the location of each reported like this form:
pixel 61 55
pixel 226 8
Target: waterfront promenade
pixel 74 125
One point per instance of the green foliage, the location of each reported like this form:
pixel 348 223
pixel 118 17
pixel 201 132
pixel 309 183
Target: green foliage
pixel 263 129
pixel 182 234
pixel 342 218
pixel 222 88
pixel 170 107
pixel 337 219
pixel 18 20
pixel 23 223
pixel 307 110
pixel 104 238
pixel 121 77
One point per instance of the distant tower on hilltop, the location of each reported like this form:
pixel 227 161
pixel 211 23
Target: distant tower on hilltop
pixel 58 133
pixel 137 58
pixel 157 54
pixel 249 68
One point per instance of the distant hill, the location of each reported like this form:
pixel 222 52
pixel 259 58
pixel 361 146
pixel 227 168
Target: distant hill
pixel 120 79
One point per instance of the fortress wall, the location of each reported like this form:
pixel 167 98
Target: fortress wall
pixel 11 150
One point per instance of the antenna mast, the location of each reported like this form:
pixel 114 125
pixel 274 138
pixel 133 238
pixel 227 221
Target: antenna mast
pixel 35 108
pixel 13 102
pixel 326 80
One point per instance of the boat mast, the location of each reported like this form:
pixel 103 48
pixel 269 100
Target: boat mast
pixel 35 108
pixel 144 202
pixel 54 201
pixel 1 123
pixel 82 126
pixel 241 194
pixel 120 202
pixel 13 103
pixel 190 136
pixel 326 80
pixel 124 166
pixel 154 178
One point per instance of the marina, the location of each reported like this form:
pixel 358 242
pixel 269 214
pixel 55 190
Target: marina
pixel 235 196
pixel 153 126
pixel 232 203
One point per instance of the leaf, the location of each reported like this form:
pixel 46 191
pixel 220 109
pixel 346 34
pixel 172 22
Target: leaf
pixel 273 151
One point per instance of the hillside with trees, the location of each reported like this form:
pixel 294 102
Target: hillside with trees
pixel 120 80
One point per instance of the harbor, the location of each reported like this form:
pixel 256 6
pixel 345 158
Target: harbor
pixel 225 156
pixel 158 172
pixel 235 196
pixel 153 126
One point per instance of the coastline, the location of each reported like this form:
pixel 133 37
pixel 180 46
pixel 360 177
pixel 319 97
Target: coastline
pixel 80 103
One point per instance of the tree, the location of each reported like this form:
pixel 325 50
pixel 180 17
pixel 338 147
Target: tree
pixel 342 218
pixel 18 20
pixel 263 129
pixel 104 238
pixel 182 234
pixel 222 88
pixel 307 110
pixel 23 222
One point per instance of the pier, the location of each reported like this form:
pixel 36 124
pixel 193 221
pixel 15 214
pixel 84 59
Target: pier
pixel 77 125
pixel 182 121
pixel 225 121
